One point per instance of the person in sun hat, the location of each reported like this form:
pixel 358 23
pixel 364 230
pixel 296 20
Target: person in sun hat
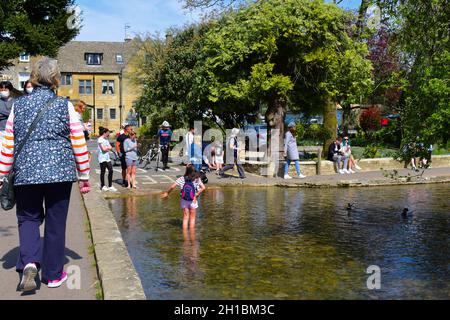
pixel 291 152
pixel 234 146
pixel 165 137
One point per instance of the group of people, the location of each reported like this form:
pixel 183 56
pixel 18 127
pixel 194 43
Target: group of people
pixel 44 150
pixel 127 149
pixel 340 152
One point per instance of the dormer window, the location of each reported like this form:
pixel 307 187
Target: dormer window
pixel 119 58
pixel 93 59
pixel 24 57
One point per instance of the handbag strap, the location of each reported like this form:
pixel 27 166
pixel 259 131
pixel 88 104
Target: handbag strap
pixel 34 125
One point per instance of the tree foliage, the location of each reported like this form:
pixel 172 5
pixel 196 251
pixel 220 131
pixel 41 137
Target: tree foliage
pixel 35 27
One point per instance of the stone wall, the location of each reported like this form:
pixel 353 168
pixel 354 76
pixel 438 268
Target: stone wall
pixel 327 168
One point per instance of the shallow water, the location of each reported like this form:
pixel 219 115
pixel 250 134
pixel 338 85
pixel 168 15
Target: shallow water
pixel 274 243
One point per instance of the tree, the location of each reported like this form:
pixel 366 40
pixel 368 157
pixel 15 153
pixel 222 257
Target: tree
pixel 422 36
pixel 35 27
pixel 291 53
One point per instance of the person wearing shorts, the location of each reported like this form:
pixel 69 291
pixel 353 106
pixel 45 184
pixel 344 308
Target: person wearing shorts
pixel 189 208
pixel 120 150
pixel 131 159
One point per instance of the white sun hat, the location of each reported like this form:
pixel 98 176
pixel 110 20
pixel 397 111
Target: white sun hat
pixel 165 124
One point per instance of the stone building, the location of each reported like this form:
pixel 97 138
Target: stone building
pixel 93 72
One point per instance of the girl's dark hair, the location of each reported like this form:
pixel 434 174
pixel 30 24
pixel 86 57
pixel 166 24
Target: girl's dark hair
pixel 25 86
pixel 7 85
pixel 103 130
pixel 190 172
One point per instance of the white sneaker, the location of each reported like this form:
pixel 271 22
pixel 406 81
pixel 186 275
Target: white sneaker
pixel 346 171
pixel 301 176
pixel 112 189
pixel 105 189
pixel 341 171
pixel 351 171
pixel 28 282
pixel 357 167
pixel 287 177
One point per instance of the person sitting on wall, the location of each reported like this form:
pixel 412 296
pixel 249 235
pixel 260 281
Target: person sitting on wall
pixel 337 155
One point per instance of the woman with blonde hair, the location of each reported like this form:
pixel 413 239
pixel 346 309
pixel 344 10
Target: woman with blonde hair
pixel 54 156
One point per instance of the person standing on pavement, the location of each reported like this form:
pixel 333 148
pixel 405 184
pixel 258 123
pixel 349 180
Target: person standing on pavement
pixel 80 108
pixel 27 88
pixel 131 147
pixel 189 138
pixel 6 103
pixel 104 159
pixel 235 148
pixel 291 152
pixel 121 152
pixel 53 158
pixel 165 137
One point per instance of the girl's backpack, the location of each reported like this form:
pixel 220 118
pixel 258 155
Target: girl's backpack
pixel 188 191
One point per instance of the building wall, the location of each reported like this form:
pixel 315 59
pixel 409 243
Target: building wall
pixel 105 102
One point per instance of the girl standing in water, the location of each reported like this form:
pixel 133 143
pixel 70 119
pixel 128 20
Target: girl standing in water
pixel 191 187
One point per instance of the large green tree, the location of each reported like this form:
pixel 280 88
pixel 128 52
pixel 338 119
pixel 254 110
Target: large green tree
pixel 285 53
pixel 422 36
pixel 36 27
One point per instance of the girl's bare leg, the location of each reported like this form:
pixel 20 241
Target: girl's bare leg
pixel 193 215
pixel 185 219
pixel 129 177
pixel 133 176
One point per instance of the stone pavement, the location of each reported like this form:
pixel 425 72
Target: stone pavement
pixel 77 258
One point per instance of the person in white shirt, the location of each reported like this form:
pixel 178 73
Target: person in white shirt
pixel 104 147
pixel 189 138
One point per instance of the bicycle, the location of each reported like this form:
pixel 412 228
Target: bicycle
pixel 153 153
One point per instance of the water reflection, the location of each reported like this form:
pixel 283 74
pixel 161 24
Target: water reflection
pixel 279 243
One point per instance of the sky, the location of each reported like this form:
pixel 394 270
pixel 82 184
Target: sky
pixel 105 20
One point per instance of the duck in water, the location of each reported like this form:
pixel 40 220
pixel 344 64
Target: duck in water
pixel 405 213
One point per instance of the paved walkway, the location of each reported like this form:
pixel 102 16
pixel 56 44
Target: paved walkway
pixel 77 257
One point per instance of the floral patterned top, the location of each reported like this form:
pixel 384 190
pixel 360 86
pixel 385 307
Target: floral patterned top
pixel 56 150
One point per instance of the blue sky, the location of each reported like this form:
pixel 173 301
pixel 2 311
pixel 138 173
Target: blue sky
pixel 104 20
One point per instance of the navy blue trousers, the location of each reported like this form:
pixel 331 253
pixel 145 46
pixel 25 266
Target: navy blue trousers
pixel 30 216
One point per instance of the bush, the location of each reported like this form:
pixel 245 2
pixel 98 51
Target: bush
pixel 370 120
pixel 390 135
pixel 371 152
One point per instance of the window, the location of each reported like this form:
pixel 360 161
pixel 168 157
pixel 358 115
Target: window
pixel 24 57
pixel 100 114
pixel 66 80
pixel 23 77
pixel 119 58
pixel 112 113
pixel 93 59
pixel 108 87
pixel 85 87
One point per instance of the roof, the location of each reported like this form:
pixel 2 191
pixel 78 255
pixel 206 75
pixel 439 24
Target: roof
pixel 71 57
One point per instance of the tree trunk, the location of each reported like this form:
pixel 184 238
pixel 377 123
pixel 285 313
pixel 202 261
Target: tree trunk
pixel 361 17
pixel 330 125
pixel 275 115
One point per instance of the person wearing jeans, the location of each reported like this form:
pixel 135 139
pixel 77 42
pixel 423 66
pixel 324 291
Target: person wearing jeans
pixel 336 154
pixel 53 158
pixel 291 153
pixel 234 147
pixel 104 147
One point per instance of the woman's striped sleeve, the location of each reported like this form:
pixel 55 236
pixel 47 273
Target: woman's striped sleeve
pixel 7 149
pixel 79 144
